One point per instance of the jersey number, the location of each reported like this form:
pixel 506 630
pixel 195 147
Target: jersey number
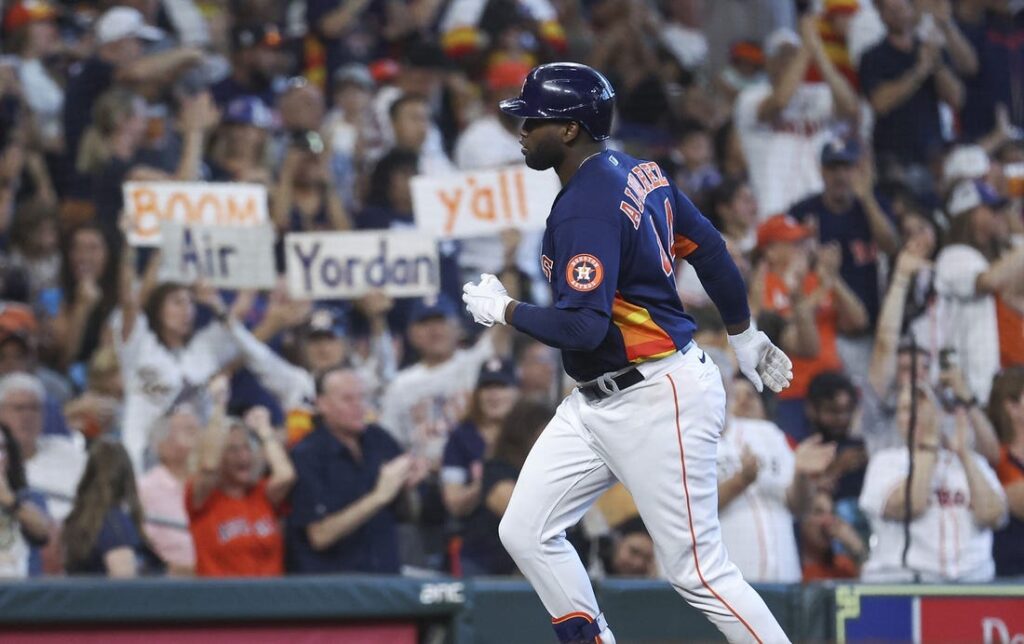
pixel 668 253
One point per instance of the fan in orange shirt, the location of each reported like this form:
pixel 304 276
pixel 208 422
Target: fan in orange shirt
pixel 802 285
pixel 233 517
pixel 820 531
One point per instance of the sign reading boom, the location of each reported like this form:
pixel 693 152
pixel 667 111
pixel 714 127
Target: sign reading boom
pixel 348 265
pixel 149 203
pixel 474 204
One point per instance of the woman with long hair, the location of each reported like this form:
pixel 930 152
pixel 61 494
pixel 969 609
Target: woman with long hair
pixel 23 524
pixel 1006 410
pixel 481 552
pixel 163 357
pixel 233 506
pixel 88 281
pixel 473 439
pixel 104 532
pixel 952 490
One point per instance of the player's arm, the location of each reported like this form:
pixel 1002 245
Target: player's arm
pixel 697 241
pixel 586 267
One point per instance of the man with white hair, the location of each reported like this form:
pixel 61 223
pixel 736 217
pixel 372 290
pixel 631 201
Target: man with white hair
pixel 784 121
pixel 53 463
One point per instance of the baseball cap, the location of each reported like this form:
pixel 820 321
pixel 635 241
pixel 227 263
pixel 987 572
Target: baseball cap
pixel 435 306
pixel 328 322
pixel 243 36
pixel 840 7
pixel 781 228
pixel 26 12
pixel 506 74
pixel 968 195
pixel 497 372
pixel 779 39
pixel 354 74
pixel 124 22
pixel 965 162
pixel 840 152
pixel 17 322
pixel 249 110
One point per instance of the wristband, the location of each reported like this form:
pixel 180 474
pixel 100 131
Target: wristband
pixel 927 448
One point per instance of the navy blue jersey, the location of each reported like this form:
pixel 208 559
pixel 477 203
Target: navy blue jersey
pixel 860 253
pixel 611 242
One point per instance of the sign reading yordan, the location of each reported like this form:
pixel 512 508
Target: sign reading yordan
pixel 474 204
pixel 149 203
pixel 348 265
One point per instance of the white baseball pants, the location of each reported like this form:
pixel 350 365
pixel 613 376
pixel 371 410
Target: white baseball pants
pixel 659 438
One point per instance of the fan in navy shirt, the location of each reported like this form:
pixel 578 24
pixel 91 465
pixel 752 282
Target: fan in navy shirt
pixel 351 476
pixel 848 213
pixel 254 61
pixel 904 79
pixel 463 475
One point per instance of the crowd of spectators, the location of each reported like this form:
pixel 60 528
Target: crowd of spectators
pixel 864 162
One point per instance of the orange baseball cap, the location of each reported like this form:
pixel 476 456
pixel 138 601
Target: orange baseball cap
pixel 27 12
pixel 781 228
pixel 507 73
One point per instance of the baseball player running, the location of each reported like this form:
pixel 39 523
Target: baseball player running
pixel 650 405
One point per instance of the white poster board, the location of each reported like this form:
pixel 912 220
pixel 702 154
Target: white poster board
pixel 226 257
pixel 475 204
pixel 149 203
pixel 346 265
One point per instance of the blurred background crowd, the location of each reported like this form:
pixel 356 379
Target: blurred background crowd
pixel 863 160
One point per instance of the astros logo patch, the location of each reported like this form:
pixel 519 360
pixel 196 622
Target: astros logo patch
pixel 584 273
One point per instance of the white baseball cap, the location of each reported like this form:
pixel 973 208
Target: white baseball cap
pixel 784 36
pixel 965 162
pixel 968 195
pixel 124 22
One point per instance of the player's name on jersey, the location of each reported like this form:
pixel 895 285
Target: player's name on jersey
pixel 149 203
pixel 474 204
pixel 224 256
pixel 348 265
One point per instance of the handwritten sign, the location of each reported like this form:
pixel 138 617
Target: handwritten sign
pixel 224 256
pixel 148 203
pixel 348 265
pixel 474 204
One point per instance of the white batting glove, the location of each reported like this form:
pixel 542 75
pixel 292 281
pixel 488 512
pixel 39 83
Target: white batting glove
pixel 486 301
pixel 760 361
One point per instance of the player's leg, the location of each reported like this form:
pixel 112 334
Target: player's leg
pixel 661 442
pixel 561 478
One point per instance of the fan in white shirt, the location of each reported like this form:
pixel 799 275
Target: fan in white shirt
pixel 968 273
pixel 426 400
pixel 163 358
pixel 763 485
pixel 784 122
pixel 53 463
pixel 955 502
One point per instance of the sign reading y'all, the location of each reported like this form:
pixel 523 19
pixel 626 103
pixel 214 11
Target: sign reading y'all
pixel 148 203
pixel 347 265
pixel 226 257
pixel 474 204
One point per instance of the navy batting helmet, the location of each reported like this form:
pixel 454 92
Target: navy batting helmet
pixel 566 91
